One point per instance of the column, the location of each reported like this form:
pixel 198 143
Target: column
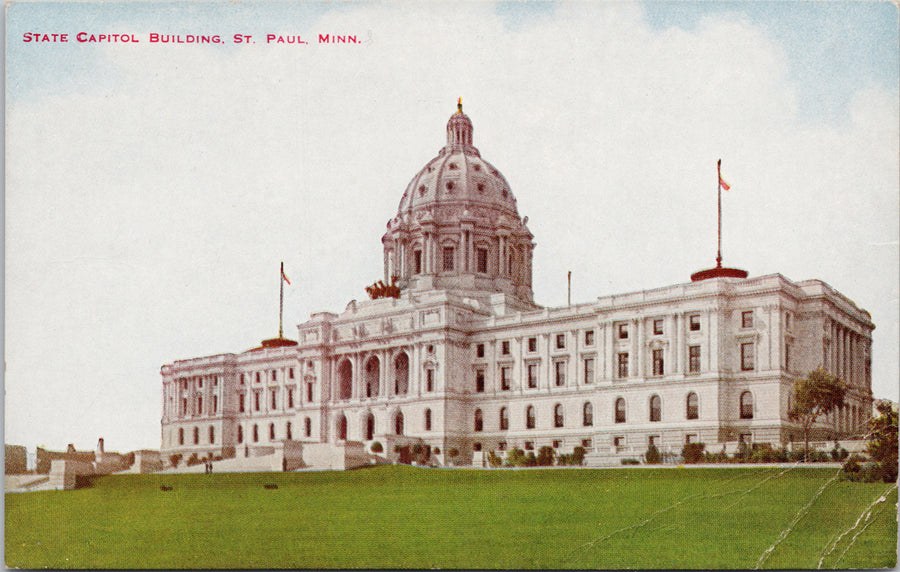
pixel 382 373
pixel 677 350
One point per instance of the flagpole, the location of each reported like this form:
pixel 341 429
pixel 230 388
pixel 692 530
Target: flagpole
pixel 719 181
pixel 281 300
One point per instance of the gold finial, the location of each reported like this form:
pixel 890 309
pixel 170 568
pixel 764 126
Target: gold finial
pixel 459 105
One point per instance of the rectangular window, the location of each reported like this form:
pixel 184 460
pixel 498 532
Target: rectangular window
pixel 619 443
pixel 429 379
pixel 256 400
pixel 532 375
pixel 199 383
pixel 307 427
pixel 694 322
pixel 747 355
pixel 560 367
pixel 657 327
pixel 240 403
pixel 274 375
pixel 505 378
pixel 417 262
pixel 557 443
pixel 787 357
pixel 199 406
pixel 623 364
pixel 290 398
pixel 589 337
pixel 586 443
pixel 694 359
pixel 479 381
pixel 747 319
pixel 257 377
pixel 560 341
pixel 274 399
pixel 623 331
pixel 291 373
pixel 215 404
pixel 309 392
pixel 242 379
pixel 658 362
pixel 481 259
pixel 504 348
pixel 787 321
pixel 479 350
pixel 690 438
pixel 449 256
pixel 589 370
pixel 532 344
pixel 529 445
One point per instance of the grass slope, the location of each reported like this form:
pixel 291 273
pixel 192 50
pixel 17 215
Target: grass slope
pixel 401 517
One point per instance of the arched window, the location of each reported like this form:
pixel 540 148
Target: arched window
pixel 212 434
pixel 558 420
pixel 479 421
pixel 504 419
pixel 655 408
pixel 693 406
pixel 370 427
pixel 255 433
pixel 345 379
pixel 620 410
pixel 271 431
pixel 401 372
pixel 428 419
pixel 181 436
pixel 529 417
pixel 288 434
pixel 746 405
pixel 398 423
pixel 587 414
pixel 342 427
pixel 373 375
pixel 240 435
pixel 196 435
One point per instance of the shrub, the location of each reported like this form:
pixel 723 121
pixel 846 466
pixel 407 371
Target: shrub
pixel 578 455
pixel 838 453
pixel 630 462
pixel 174 459
pixel 377 447
pixel 530 459
pixel 193 460
pixel 692 453
pixel 453 452
pixel 404 456
pixel 818 457
pixel 545 456
pixel 851 465
pixel 515 458
pixel 437 451
pixel 494 460
pixel 762 453
pixel 652 456
pixel 417 450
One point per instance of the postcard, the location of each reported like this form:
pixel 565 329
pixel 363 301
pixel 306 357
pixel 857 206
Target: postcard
pixel 451 284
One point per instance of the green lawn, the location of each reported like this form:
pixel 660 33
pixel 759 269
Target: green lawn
pixel 402 517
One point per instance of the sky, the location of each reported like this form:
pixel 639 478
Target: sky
pixel 153 189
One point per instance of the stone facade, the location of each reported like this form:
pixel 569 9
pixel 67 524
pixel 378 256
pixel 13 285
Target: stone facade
pixel 464 359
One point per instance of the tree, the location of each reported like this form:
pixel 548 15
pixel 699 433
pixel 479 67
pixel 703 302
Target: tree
pixel 817 394
pixel 882 446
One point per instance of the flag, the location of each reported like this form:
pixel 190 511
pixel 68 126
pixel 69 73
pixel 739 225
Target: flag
pixel 722 182
pixel 284 277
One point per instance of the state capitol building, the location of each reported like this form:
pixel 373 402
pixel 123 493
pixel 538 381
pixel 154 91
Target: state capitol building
pixel 463 358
